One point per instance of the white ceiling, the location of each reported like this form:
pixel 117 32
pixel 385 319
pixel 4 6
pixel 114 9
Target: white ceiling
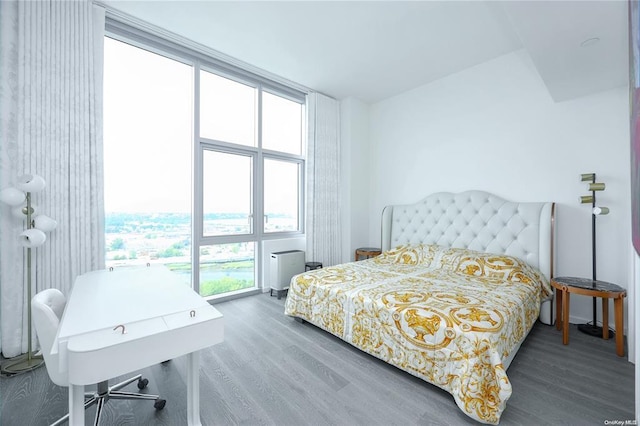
pixel 375 50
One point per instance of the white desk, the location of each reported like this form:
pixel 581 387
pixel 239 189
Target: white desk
pixel 163 319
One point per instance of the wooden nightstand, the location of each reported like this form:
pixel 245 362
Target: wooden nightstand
pixel 367 252
pixel 566 285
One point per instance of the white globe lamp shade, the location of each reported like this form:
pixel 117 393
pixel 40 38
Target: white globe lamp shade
pixel 30 183
pixel 45 223
pixel 32 238
pixel 12 196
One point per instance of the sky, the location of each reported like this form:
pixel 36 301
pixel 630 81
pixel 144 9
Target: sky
pixel 148 138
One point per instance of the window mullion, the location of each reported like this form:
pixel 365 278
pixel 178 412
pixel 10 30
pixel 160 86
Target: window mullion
pixel 258 193
pixel 196 235
pixel 259 171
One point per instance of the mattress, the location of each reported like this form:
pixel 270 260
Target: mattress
pixel 449 316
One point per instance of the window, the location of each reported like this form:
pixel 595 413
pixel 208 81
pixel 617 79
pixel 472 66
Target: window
pixel 203 162
pixel 226 268
pixel 247 193
pixel 281 189
pixel 147 158
pixel 227 110
pixel 226 194
pixel 281 124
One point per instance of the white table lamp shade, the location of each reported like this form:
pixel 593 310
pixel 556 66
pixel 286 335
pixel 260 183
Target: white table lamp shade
pixel 44 223
pixel 32 238
pixel 30 183
pixel 601 211
pixel 12 196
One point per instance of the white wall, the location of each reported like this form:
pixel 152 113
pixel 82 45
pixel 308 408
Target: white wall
pixel 494 127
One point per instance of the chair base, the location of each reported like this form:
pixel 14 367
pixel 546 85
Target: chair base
pixel 105 392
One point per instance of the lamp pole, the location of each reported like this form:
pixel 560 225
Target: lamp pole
pixel 593 329
pixel 593 259
pixel 29 212
pixel 28 361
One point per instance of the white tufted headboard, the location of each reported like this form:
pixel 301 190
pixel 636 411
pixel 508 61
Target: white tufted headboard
pixel 480 221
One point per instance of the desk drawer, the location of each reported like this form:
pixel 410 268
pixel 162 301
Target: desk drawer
pixel 102 355
pixel 100 339
pixel 191 317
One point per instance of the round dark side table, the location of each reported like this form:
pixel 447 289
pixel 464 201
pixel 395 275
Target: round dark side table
pixel 595 288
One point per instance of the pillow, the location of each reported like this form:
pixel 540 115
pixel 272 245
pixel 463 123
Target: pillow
pixel 499 267
pixel 419 254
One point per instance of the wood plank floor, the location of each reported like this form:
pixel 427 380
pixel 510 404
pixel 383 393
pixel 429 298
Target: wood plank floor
pixel 272 370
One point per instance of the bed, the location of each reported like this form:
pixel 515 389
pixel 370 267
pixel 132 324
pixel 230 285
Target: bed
pixel 460 282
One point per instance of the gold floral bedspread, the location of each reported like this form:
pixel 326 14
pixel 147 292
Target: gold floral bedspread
pixel 448 316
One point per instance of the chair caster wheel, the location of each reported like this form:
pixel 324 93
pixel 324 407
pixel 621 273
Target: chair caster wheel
pixel 142 383
pixel 159 404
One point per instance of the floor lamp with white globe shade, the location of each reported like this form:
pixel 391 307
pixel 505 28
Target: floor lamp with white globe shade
pixel 32 237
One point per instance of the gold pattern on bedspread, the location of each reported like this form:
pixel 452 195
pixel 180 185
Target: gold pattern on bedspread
pixel 448 316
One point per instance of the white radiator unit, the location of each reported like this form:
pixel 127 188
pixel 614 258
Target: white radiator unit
pixel 284 265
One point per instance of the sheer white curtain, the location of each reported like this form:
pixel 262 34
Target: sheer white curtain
pixel 51 55
pixel 323 181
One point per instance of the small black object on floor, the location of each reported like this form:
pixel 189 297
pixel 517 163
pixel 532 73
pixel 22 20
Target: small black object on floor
pixel 594 330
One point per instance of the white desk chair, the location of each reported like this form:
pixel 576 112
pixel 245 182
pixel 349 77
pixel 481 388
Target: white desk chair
pixel 47 307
